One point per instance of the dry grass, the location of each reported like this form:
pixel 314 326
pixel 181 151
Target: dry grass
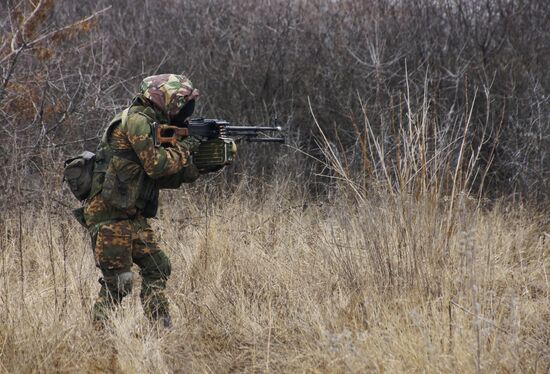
pixel 366 251
pixel 281 285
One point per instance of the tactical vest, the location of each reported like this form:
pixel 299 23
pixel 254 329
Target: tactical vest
pixel 120 178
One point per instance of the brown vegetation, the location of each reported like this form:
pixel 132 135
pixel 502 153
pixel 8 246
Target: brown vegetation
pixel 397 231
pixel 279 285
pixel 67 68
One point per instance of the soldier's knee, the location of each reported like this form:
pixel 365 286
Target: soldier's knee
pixel 161 263
pixel 166 267
pixel 124 282
pixel 156 266
pixel 119 284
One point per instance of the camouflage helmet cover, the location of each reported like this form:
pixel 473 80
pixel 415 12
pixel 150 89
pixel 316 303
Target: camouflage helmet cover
pixel 168 92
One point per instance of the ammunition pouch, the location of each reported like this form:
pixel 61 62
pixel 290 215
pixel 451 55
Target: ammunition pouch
pixel 214 154
pixel 123 179
pixel 125 185
pixel 148 198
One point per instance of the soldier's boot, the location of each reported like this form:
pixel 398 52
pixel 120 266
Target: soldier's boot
pixel 115 285
pixel 167 322
pixel 155 306
pixel 155 270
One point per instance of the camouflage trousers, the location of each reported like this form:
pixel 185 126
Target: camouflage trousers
pixel 119 244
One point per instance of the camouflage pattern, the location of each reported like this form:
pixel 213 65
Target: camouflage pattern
pixel 136 134
pixel 113 246
pixel 118 245
pixel 98 210
pixel 136 170
pixel 157 163
pixel 168 92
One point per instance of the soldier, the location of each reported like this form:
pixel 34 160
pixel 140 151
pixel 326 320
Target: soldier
pixel 129 171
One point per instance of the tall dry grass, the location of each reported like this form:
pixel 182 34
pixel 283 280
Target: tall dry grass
pixel 283 284
pixel 366 245
pixel 396 267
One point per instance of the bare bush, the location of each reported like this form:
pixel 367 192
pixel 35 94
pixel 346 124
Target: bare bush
pixel 359 246
pixel 68 68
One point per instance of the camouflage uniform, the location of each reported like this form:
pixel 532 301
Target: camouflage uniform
pixel 128 173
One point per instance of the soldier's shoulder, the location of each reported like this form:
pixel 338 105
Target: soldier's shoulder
pixel 138 123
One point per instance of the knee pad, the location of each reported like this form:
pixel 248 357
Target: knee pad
pixel 156 266
pixel 119 284
pixel 124 282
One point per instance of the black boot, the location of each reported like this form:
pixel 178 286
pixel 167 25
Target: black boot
pixel 167 321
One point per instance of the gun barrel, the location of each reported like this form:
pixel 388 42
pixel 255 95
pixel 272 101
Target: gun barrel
pixel 266 140
pixel 214 128
pixel 238 129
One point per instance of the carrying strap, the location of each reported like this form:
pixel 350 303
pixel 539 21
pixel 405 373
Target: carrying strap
pixel 128 154
pixel 105 152
pixel 123 118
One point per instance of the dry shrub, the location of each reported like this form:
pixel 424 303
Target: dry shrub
pixel 275 284
pixel 365 244
pixel 479 62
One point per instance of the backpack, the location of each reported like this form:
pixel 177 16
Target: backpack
pixel 77 172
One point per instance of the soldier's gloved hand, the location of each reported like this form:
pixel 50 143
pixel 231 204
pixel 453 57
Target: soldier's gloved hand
pixel 210 169
pixel 191 143
pixel 190 174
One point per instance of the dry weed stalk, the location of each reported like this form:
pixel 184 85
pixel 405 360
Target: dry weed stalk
pixel 327 287
pixel 384 263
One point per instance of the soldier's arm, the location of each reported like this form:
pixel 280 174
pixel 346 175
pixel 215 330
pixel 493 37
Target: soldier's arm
pixel 188 174
pixel 157 161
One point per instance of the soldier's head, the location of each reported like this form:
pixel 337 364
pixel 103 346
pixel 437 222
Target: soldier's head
pixel 172 94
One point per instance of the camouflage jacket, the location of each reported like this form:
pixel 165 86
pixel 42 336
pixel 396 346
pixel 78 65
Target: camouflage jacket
pixel 130 170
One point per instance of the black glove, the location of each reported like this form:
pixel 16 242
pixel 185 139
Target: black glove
pixel 191 143
pixel 210 169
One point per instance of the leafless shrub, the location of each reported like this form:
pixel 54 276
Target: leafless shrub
pixel 68 68
pixel 360 237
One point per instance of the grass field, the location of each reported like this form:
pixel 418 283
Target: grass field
pixel 402 227
pixel 392 284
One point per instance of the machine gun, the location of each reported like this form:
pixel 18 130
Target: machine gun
pixel 204 128
pixel 217 138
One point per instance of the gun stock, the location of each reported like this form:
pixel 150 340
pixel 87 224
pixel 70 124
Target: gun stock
pixel 168 134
